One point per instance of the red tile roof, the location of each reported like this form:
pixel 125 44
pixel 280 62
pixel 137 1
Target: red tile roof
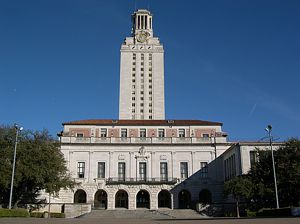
pixel 144 122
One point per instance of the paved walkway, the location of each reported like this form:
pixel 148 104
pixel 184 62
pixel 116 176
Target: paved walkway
pixel 145 221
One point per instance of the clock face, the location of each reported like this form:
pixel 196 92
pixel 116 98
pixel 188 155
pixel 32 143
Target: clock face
pixel 142 36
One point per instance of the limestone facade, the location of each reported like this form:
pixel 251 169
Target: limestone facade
pixel 164 167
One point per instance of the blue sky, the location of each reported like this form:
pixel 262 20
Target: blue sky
pixel 236 62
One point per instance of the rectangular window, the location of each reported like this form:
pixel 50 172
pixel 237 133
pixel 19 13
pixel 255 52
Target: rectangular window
pixel 142 92
pixel 80 169
pixel 133 98
pixel 150 86
pixel 184 170
pixel 150 74
pixel 203 169
pixel 205 135
pixel 133 74
pixel 253 158
pixel 101 169
pixel 121 171
pixel 142 69
pixel 181 133
pixel 143 133
pixel 150 56
pixel 103 132
pixel 163 171
pixel 142 171
pixel 150 117
pixel 133 80
pixel 133 69
pixel 124 133
pixel 161 133
pixel 79 135
pixel 142 74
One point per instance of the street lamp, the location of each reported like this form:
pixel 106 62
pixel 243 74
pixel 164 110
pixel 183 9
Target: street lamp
pixel 18 129
pixel 269 129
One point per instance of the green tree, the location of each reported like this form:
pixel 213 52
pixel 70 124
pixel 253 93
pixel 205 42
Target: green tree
pixel 240 188
pixel 287 166
pixel 39 166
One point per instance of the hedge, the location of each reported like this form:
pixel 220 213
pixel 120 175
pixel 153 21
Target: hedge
pixel 45 215
pixel 275 212
pixel 20 212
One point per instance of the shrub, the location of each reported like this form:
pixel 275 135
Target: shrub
pixel 37 214
pixel 20 212
pixel 57 215
pixel 46 215
pixel 277 212
pixel 250 213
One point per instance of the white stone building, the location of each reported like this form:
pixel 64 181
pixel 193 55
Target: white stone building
pixel 142 163
pixel 143 160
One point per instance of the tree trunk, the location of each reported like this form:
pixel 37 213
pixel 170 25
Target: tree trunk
pixel 237 209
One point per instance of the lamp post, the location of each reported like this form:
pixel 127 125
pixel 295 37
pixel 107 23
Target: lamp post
pixel 18 129
pixel 269 129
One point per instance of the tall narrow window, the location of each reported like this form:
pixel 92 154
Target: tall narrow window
pixel 253 158
pixel 121 171
pixel 79 135
pixel 142 133
pixel 142 171
pixel 161 133
pixel 181 133
pixel 163 171
pixel 184 170
pixel 205 135
pixel 203 169
pixel 101 169
pixel 80 169
pixel 103 132
pixel 124 132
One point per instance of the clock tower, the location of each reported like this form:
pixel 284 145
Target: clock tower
pixel 142 72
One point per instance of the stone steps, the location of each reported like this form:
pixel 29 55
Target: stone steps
pixel 145 214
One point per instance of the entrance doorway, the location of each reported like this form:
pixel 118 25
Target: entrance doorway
pixel 80 196
pixel 164 199
pixel 100 200
pixel 121 199
pixel 143 199
pixel 205 197
pixel 184 198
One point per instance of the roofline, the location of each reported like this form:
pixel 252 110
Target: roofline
pixel 115 122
